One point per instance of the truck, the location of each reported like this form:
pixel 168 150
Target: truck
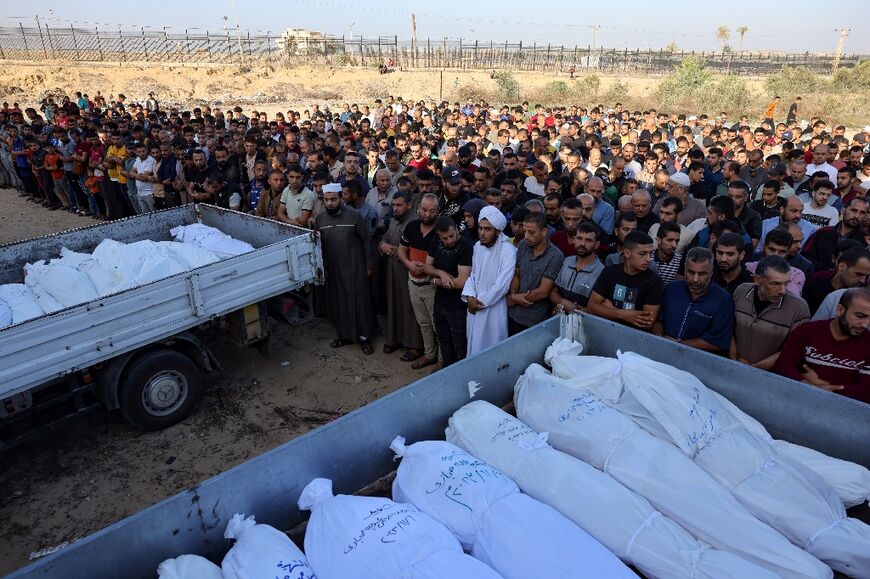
pixel 354 452
pixel 142 351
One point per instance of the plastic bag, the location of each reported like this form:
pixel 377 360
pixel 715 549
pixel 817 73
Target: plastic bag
pixel 511 532
pixel 582 425
pixel 65 285
pixel 5 314
pixel 211 239
pixel 850 481
pixel 188 567
pixel 189 255
pixel 261 551
pixel 620 519
pixel 21 301
pixel 676 406
pixel 106 280
pixel 351 537
pixel 562 347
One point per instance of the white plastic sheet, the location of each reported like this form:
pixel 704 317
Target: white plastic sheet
pixel 511 532
pixel 5 314
pixel 211 239
pixel 21 301
pixel 676 406
pixel 620 519
pixel 350 537
pixel 261 551
pixel 579 423
pixel 850 481
pixel 66 285
pixel 188 567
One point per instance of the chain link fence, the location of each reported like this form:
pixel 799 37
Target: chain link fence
pixel 46 43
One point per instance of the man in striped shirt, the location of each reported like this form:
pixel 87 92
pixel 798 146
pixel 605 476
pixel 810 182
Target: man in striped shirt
pixel 666 256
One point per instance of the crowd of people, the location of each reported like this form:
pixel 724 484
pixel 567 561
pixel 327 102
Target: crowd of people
pixel 448 227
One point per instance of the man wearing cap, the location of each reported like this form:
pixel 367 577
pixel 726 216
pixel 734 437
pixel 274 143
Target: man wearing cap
pixel 678 186
pixel 453 197
pixel 492 270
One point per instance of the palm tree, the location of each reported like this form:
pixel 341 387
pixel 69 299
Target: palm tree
pixel 723 33
pixel 742 30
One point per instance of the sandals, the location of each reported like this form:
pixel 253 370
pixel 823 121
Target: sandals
pixel 338 343
pixel 390 348
pixel 366 346
pixel 423 362
pixel 411 355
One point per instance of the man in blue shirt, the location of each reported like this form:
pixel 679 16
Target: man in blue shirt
pixel 604 213
pixel 694 311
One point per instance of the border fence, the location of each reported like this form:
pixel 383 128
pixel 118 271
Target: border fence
pixel 45 43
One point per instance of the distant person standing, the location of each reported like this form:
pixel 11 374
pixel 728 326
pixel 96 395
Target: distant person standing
pixel 770 112
pixel 792 115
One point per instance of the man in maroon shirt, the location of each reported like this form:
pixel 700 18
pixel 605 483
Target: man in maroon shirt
pixel 833 354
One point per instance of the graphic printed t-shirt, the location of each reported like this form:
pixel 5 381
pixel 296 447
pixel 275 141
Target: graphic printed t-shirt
pixel 629 292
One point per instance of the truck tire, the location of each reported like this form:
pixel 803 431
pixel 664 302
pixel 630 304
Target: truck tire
pixel 160 388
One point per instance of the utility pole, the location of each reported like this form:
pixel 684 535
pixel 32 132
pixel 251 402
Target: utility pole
pixel 594 28
pixel 844 32
pixel 413 39
pixel 238 32
pixel 227 35
pixel 41 37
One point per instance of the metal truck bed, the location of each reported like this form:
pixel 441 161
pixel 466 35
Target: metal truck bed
pixel 39 350
pixel 354 450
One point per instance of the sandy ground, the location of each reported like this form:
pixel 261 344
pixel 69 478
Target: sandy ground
pixel 99 470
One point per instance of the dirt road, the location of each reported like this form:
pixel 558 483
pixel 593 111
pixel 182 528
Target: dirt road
pixel 98 470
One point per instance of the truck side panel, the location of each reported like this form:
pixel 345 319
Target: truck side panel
pixel 51 346
pixel 353 450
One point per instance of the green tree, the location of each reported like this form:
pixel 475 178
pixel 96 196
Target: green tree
pixel 741 30
pixel 723 33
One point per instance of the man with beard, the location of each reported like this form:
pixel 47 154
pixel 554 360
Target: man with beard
pixel 694 311
pixel 819 248
pixel 852 270
pixel 414 247
pixel 729 272
pixel 492 269
pixel 228 165
pixel 538 265
pixel 579 272
pixel 791 213
pixel 258 184
pixel 832 354
pixel 628 292
pixel 402 330
pixel 195 176
pixel 346 254
pixel 453 197
pixel 449 264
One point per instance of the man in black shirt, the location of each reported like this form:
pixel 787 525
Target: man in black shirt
pixel 729 271
pixel 449 264
pixel 852 270
pixel 453 197
pixel 628 292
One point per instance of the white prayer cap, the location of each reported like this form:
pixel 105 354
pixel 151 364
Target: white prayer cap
pixel 332 188
pixel 494 216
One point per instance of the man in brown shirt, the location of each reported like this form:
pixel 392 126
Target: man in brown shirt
pixel 764 314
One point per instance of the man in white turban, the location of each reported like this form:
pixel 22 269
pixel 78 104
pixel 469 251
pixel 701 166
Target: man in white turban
pixel 492 269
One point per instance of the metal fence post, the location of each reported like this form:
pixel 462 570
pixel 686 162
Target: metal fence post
pixel 50 45
pixel 24 38
pixel 144 44
pixel 75 44
pixel 99 43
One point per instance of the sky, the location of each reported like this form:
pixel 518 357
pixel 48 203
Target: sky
pixel 793 26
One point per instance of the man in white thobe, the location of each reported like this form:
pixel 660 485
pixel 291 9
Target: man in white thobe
pixel 492 269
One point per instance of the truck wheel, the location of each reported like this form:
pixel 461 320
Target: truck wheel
pixel 160 389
